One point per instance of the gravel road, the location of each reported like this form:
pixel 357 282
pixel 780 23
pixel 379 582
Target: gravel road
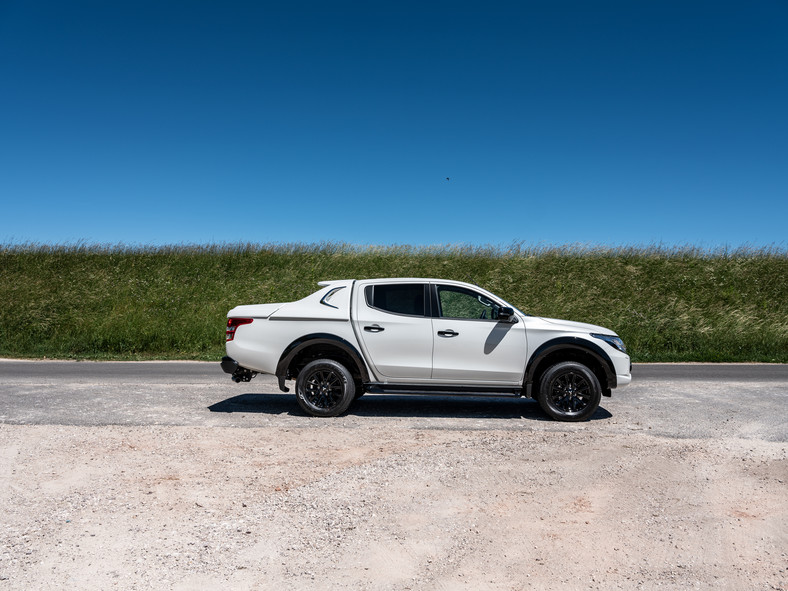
pixel 169 476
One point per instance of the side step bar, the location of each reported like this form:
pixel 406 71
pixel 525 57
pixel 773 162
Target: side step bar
pixel 377 388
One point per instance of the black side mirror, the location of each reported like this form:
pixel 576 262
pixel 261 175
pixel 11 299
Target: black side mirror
pixel 506 314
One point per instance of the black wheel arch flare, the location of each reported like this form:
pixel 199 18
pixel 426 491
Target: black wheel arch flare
pixel 326 339
pixel 573 346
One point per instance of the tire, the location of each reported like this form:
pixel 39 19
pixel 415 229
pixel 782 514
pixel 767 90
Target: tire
pixel 569 391
pixel 325 388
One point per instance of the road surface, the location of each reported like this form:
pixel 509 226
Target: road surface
pixel 674 400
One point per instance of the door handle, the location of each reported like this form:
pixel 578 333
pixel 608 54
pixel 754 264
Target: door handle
pixel 374 328
pixel 447 333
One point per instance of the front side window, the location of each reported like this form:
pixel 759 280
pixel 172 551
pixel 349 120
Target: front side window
pixel 397 298
pixel 458 302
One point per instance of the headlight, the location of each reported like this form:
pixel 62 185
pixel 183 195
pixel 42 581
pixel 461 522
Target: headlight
pixel 611 340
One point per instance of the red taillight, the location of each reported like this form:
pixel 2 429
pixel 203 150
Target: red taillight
pixel 233 324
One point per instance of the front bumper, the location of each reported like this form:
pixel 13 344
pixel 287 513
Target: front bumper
pixel 623 380
pixel 623 376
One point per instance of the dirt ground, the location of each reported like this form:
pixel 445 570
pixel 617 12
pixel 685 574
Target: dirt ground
pixel 342 504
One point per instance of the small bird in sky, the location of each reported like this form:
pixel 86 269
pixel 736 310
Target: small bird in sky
pixel 447 178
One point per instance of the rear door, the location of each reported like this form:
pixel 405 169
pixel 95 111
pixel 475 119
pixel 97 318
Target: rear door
pixel 394 327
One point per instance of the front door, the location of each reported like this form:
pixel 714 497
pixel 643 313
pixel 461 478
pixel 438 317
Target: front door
pixel 470 344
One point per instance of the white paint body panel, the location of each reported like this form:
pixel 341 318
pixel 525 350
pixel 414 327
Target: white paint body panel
pixel 482 352
pixel 402 350
pixel 254 311
pixel 259 346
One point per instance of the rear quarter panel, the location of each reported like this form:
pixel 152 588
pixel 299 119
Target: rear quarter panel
pixel 258 346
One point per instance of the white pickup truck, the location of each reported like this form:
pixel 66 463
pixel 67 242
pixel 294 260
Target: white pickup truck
pixel 422 336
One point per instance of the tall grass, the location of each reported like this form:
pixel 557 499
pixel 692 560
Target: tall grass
pixel 131 302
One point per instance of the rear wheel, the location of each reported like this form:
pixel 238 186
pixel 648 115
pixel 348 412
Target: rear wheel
pixel 325 388
pixel 569 391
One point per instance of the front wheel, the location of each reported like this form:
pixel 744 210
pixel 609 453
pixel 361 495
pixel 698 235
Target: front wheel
pixel 569 391
pixel 325 388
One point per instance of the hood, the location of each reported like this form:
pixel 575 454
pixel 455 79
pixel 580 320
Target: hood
pixel 572 326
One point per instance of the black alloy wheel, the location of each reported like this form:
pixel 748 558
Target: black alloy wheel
pixel 325 388
pixel 569 391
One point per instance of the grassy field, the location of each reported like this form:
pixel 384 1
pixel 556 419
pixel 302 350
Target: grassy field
pixel 115 302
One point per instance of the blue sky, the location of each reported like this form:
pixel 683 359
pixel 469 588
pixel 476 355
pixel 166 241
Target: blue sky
pixel 609 122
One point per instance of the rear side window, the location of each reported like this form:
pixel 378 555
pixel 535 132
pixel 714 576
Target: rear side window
pixel 398 298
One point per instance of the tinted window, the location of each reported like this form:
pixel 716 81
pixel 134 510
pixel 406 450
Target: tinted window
pixel 456 302
pixel 399 298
